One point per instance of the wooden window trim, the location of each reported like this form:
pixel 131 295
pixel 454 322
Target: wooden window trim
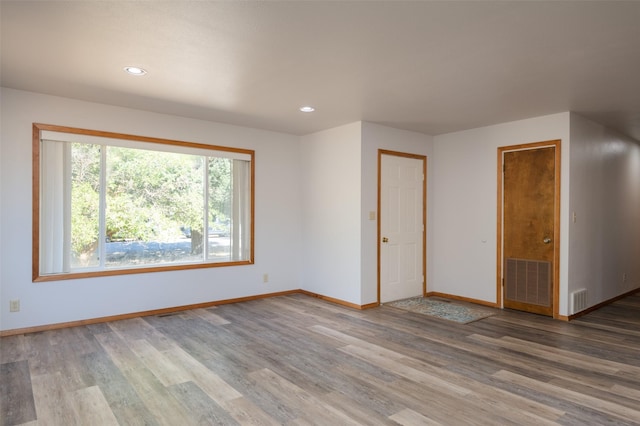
pixel 36 135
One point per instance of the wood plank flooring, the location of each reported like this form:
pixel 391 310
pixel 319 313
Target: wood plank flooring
pixel 296 360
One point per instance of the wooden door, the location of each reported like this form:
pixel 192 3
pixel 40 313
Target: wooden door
pixel 529 205
pixel 402 231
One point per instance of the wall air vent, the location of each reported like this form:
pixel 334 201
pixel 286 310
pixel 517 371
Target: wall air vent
pixel 578 301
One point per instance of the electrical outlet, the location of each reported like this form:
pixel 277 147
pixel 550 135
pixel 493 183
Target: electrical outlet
pixel 624 277
pixel 265 278
pixel 14 305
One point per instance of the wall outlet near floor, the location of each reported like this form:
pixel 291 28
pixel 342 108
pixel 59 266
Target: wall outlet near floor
pixel 14 305
pixel 265 278
pixel 624 277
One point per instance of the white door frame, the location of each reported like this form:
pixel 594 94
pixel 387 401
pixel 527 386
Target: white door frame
pixel 423 158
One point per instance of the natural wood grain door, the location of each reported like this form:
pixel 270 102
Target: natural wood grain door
pixel 529 229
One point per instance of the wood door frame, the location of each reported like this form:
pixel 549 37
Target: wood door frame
pixel 556 219
pixel 423 158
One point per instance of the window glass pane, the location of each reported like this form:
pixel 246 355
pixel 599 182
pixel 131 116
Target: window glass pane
pixel 220 218
pixel 118 202
pixel 54 207
pixel 154 207
pixel 85 205
pixel 242 211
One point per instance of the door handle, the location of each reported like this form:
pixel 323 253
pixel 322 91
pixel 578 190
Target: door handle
pixel 546 240
pixel 385 240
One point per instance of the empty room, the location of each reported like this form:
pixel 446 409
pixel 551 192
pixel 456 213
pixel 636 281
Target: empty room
pixel 319 212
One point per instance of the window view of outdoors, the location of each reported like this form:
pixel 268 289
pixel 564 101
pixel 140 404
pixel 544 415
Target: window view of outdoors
pixel 154 207
pixel 113 207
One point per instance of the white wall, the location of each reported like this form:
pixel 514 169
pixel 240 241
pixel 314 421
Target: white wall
pixel 340 174
pixel 331 212
pixel 313 198
pixel 278 217
pixel 605 195
pixel 464 205
pixel 375 137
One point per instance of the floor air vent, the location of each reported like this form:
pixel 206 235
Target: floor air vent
pixel 578 301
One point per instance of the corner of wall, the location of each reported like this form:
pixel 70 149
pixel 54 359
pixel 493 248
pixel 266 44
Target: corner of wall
pixel 604 233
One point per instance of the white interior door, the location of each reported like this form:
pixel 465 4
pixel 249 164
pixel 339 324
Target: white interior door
pixel 402 220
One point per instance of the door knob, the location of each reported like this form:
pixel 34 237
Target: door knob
pixel 546 240
pixel 385 240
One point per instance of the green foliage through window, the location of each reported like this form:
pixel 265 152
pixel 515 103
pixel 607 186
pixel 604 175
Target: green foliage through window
pixel 138 204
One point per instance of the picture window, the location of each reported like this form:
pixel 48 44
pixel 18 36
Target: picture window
pixel 107 203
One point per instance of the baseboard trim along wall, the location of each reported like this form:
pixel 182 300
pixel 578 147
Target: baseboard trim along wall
pixel 461 298
pixel 600 305
pixel 559 317
pixel 56 326
pixel 338 301
pixel 41 328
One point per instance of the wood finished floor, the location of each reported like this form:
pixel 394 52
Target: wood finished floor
pixel 300 361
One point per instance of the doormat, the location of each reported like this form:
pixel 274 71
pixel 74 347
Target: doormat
pixel 440 308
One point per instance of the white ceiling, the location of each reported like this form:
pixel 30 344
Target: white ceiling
pixel 431 67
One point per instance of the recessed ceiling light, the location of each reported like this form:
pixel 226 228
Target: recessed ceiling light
pixel 307 109
pixel 135 70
